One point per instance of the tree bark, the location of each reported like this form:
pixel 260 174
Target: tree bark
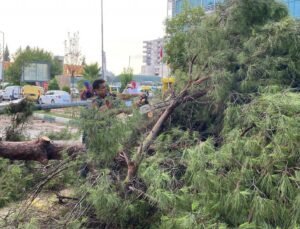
pixel 41 150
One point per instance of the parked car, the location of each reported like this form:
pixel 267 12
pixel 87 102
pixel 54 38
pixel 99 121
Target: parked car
pixel 3 85
pixel 55 96
pixel 12 93
pixel 32 93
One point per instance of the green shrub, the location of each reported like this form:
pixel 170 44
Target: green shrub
pixel 53 84
pixel 64 134
pixel 66 89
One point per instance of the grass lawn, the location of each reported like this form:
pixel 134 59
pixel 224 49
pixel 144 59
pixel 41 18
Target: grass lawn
pixel 70 112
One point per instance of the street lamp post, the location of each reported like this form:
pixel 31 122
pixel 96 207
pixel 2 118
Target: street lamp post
pixel 2 78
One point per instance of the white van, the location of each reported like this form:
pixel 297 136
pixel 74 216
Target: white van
pixel 12 92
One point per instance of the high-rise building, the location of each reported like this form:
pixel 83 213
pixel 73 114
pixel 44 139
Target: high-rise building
pixel 152 59
pixel 210 5
pixel 294 7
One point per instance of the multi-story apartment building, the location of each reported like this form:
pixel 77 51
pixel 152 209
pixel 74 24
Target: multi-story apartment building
pixel 152 59
pixel 210 5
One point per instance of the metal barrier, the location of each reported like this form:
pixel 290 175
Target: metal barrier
pixel 5 105
pixel 63 105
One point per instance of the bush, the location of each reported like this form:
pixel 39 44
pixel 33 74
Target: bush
pixel 66 89
pixel 64 134
pixel 126 77
pixel 53 85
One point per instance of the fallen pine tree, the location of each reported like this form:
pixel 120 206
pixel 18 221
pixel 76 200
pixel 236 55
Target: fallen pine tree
pixel 229 158
pixel 41 150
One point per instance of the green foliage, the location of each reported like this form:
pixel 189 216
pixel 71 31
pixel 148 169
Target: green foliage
pixel 64 134
pixel 179 30
pixel 23 57
pixel 227 160
pixel 126 77
pixel 33 224
pixel 252 177
pixel 6 54
pixel 106 133
pixel 113 210
pixel 90 74
pixel 243 18
pixel 66 89
pixel 13 178
pixel 242 48
pixel 19 116
pixel 53 84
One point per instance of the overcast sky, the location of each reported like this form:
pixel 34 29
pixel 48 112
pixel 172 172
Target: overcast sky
pixel 46 23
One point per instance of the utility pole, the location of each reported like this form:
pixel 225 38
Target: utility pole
pixel 102 44
pixel 129 63
pixel 2 73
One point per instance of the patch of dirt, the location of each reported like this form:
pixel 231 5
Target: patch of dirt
pixel 34 128
pixel 45 210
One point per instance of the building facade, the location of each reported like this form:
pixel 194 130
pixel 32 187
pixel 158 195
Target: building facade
pixel 152 58
pixel 210 5
pixel 207 5
pixel 294 7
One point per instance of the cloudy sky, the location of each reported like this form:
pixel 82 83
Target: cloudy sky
pixel 46 23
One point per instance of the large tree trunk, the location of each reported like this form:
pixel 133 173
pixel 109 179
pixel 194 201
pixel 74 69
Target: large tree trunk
pixel 41 150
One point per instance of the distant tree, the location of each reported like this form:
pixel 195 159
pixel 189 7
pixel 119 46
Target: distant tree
pixel 66 89
pixel 83 61
pixel 126 77
pixel 23 57
pixel 57 66
pixel 53 84
pixel 73 56
pixel 181 37
pixel 91 72
pixel 6 54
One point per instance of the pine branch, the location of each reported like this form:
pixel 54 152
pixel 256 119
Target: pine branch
pixel 248 129
pixel 144 195
pixel 61 198
pixel 144 146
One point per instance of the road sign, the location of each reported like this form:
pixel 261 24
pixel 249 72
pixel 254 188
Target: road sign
pixel 36 72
